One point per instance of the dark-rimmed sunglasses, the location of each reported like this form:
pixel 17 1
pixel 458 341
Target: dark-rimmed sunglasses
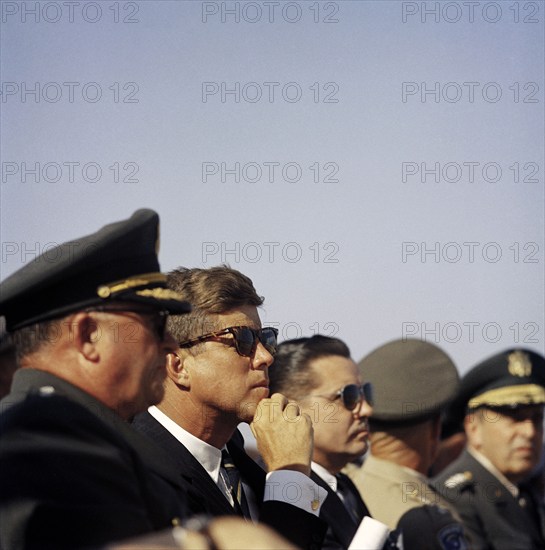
pixel 352 395
pixel 245 339
pixel 159 316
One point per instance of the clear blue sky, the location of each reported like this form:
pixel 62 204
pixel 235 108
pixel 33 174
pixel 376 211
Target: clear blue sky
pixel 376 167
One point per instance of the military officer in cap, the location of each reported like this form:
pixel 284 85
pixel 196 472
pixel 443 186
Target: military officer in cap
pixel 88 324
pixel 412 382
pixel 502 399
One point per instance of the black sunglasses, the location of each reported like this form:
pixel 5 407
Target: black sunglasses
pixel 352 395
pixel 159 316
pixel 245 339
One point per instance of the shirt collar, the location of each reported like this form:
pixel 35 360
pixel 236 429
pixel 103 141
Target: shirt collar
pixel 329 478
pixel 208 456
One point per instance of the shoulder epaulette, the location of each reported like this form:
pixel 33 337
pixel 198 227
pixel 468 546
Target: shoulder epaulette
pixel 459 479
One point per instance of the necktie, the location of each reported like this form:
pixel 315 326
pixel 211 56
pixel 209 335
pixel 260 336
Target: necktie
pixel 351 499
pixel 235 484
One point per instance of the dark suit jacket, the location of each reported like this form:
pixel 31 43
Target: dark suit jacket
pixel 302 528
pixel 73 474
pixel 341 527
pixel 492 516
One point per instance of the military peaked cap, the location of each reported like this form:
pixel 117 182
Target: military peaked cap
pixel 508 379
pixel 117 263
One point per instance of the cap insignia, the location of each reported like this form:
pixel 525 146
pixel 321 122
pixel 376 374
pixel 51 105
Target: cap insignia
pixel 519 364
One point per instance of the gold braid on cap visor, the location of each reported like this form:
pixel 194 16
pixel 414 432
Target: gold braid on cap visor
pixel 143 280
pixel 522 394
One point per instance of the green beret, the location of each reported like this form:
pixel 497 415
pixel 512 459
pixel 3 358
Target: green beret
pixel 508 379
pixel 117 263
pixel 411 379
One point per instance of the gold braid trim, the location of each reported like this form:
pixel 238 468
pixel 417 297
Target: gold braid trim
pixel 523 394
pixel 145 279
pixel 160 293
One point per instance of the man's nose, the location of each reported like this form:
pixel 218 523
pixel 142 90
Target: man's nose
pixel 262 356
pixel 363 409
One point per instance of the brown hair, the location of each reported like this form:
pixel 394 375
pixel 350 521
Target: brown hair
pixel 211 291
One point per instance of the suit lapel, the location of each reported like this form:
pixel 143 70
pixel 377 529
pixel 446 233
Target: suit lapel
pixel 361 507
pixel 203 494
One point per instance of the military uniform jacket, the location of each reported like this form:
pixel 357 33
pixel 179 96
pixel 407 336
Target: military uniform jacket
pixel 73 474
pixel 305 530
pixel 390 490
pixel 491 515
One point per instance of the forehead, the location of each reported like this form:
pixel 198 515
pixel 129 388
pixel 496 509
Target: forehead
pixel 332 372
pixel 242 316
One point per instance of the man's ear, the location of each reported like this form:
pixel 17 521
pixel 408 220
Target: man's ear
pixel 472 427
pixel 178 369
pixel 85 333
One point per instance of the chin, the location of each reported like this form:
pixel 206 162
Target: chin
pixel 246 412
pixel 260 393
pixel 358 450
pixel 526 467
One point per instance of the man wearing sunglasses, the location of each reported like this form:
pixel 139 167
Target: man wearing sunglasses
pixel 319 374
pixel 216 378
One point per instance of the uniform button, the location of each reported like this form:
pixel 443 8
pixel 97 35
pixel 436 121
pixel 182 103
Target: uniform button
pixel 46 390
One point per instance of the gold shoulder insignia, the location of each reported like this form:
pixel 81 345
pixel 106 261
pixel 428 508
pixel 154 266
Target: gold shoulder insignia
pixel 458 479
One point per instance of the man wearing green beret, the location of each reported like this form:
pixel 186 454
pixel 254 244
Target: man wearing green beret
pixel 502 399
pixel 413 381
